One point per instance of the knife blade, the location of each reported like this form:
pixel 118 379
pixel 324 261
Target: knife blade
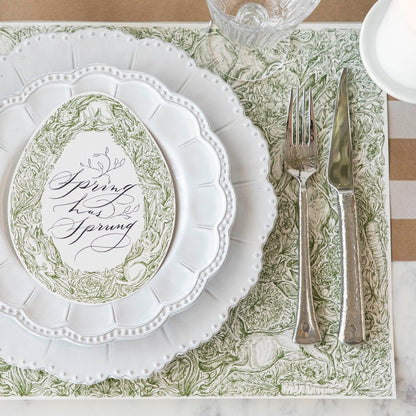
pixel 340 176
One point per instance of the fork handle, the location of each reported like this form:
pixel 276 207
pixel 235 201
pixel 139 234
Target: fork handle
pixel 352 325
pixel 306 329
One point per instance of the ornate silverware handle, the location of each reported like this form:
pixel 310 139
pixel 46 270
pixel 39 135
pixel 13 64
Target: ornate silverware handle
pixel 352 325
pixel 306 329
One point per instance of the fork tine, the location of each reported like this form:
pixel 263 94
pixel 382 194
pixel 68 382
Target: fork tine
pixel 312 128
pixel 297 118
pixel 304 139
pixel 289 124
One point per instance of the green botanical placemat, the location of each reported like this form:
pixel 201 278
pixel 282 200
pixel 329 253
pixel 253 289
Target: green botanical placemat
pixel 253 355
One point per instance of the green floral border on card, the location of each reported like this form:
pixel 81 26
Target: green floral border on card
pixel 253 355
pixel 98 113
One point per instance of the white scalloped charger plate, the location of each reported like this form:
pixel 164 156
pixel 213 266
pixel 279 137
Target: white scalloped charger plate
pixel 205 207
pixel 255 214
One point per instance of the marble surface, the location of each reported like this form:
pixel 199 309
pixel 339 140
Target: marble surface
pixel 404 294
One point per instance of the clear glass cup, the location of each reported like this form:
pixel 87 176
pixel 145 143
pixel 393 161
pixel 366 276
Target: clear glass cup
pixel 242 28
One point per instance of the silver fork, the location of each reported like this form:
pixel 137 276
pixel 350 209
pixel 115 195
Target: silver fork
pixel 301 161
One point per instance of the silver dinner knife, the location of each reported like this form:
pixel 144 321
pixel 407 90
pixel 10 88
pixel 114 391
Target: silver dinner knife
pixel 340 176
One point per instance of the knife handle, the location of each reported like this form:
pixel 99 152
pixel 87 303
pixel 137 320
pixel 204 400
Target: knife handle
pixel 352 324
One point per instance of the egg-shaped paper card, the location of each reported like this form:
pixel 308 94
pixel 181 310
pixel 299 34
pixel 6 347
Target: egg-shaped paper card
pixel 92 202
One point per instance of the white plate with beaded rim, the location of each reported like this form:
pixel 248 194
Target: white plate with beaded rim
pixel 204 198
pixel 255 214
